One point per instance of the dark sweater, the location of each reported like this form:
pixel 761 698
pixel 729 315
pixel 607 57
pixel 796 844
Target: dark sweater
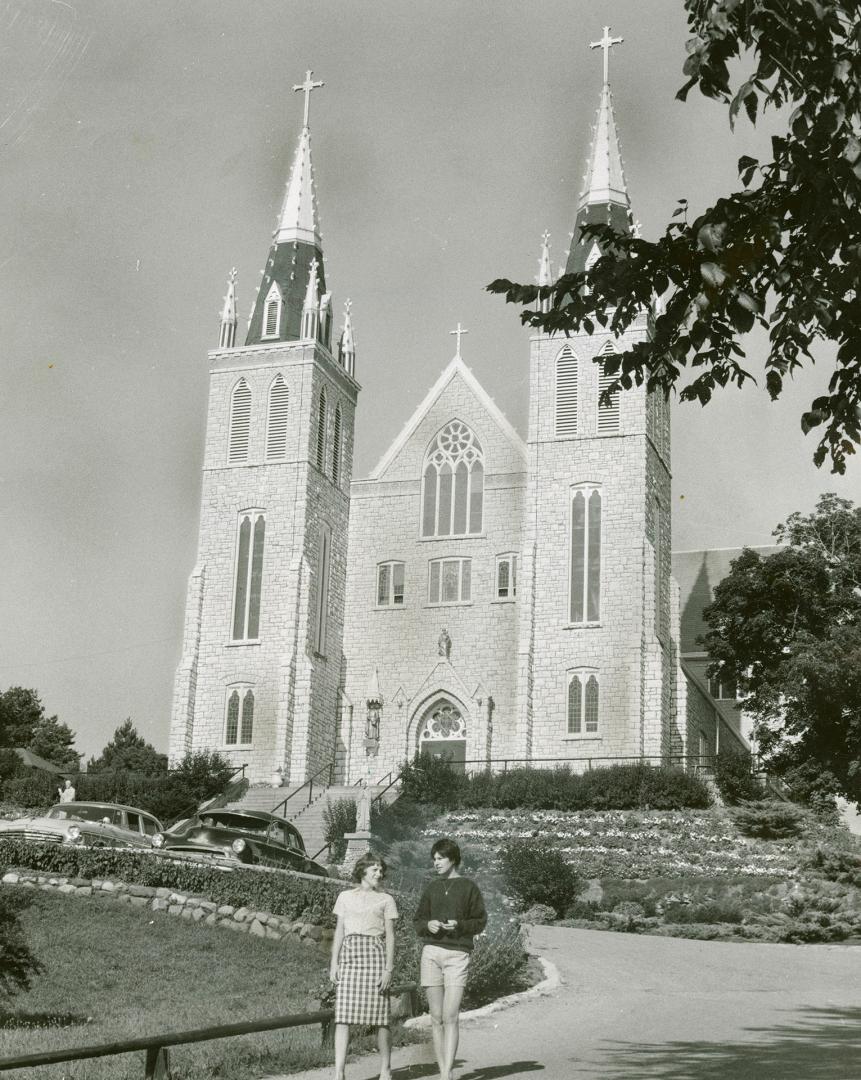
pixel 451 898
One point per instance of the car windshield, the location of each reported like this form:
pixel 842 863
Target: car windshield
pixel 82 812
pixel 235 821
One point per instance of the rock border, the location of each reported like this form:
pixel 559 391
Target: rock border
pixel 263 924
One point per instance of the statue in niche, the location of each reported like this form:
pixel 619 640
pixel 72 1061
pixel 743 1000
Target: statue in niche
pixel 444 644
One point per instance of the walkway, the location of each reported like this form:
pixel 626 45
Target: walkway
pixel 635 1007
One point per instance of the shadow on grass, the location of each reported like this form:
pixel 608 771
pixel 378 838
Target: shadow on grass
pixel 24 1020
pixel 822 1045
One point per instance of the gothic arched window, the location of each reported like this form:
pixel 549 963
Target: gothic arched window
pixel 249 576
pixel 585 567
pixel 582 703
pixel 453 483
pixel 276 422
pixel 240 423
pixel 239 716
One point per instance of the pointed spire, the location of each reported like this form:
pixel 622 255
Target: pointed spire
pixel 346 344
pixel 605 180
pixel 298 218
pixel 227 337
pixel 311 307
pixel 604 198
pixel 296 244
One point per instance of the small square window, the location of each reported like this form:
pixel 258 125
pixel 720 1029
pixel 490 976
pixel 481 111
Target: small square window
pixel 390 584
pixel 449 581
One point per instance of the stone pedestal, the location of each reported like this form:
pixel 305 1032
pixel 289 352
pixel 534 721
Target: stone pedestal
pixel 357 844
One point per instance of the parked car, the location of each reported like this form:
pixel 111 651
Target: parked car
pixel 240 837
pixel 88 824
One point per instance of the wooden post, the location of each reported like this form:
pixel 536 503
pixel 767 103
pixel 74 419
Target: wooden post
pixel 157 1063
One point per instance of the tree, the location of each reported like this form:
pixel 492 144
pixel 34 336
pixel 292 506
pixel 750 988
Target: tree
pixel 787 628
pixel 23 723
pixel 55 741
pixel 128 751
pixel 783 252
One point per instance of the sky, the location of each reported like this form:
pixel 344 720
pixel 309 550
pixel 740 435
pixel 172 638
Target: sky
pixel 144 149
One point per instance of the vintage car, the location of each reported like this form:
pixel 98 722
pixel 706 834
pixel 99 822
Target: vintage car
pixel 88 824
pixel 237 837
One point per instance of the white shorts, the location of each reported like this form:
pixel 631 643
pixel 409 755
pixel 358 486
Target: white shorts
pixel 443 967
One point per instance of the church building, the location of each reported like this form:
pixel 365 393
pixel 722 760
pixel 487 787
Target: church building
pixel 480 596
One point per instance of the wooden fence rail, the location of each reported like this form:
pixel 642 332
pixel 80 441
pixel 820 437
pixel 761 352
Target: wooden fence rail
pixel 156 1046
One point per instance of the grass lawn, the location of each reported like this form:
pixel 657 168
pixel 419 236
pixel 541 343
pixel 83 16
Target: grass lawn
pixel 114 972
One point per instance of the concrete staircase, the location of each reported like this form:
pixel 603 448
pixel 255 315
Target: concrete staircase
pixel 307 817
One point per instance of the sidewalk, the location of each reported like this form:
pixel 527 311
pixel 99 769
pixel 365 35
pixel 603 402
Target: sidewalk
pixel 633 1006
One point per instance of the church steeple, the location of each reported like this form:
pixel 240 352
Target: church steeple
pixel 604 199
pixel 278 313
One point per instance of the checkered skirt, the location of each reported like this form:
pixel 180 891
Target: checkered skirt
pixel 360 966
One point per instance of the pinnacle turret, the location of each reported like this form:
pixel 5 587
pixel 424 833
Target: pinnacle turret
pixel 604 198
pixel 545 274
pixel 227 337
pixel 346 344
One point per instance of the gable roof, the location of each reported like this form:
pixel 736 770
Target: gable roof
pixel 456 368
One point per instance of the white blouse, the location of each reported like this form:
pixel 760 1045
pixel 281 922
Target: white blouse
pixel 365 911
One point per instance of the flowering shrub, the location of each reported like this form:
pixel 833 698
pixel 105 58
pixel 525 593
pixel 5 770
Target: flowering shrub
pixel 536 873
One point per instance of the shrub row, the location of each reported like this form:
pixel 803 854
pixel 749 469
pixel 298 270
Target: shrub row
pixel 167 795
pixel 284 893
pixel 617 787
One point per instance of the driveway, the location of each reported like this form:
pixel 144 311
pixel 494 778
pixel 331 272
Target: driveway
pixel 632 1006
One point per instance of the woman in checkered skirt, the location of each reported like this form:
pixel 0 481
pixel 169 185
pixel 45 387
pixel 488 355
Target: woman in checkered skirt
pixel 363 956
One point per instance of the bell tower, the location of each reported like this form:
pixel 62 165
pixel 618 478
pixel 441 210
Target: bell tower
pixel 596 664
pixel 261 660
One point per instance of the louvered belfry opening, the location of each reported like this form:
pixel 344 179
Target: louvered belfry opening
pixel 336 446
pixel 321 432
pixel 276 428
pixel 240 423
pixel 566 393
pixel 608 413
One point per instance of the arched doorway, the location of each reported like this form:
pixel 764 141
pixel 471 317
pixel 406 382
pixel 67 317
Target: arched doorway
pixel 442 734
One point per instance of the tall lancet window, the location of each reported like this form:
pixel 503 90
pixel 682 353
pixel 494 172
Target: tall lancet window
pixel 321 431
pixel 583 702
pixel 566 393
pixel 336 447
pixel 321 614
pixel 585 565
pixel 276 420
pixel 240 423
pixel 453 483
pixel 608 411
pixel 249 575
pixel 239 718
pixel 272 312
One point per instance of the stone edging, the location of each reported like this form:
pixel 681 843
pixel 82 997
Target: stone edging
pixel 262 924
pixel 551 982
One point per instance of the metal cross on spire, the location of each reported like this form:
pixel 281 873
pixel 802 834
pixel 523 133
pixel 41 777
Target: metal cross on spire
pixel 459 334
pixel 308 85
pixel 606 43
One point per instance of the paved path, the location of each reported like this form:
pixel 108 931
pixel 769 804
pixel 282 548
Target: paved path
pixel 634 1007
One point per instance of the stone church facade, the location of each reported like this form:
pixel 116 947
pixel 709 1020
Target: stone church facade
pixel 478 596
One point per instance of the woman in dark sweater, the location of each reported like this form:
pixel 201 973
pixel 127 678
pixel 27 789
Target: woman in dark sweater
pixel 450 913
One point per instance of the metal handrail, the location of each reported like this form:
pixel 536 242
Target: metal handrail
pixel 663 759
pixel 156 1045
pixel 309 783
pixel 378 798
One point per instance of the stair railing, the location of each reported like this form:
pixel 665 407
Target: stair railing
pixel 309 784
pixel 231 788
pixel 392 780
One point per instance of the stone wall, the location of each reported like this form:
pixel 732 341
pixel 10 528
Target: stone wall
pixel 242 920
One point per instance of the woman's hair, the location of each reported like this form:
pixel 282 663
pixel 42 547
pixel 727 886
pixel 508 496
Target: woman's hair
pixel 368 859
pixel 448 849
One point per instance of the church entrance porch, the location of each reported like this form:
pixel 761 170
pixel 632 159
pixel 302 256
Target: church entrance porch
pixel 442 734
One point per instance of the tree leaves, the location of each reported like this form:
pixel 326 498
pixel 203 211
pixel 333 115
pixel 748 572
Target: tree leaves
pixel 790 236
